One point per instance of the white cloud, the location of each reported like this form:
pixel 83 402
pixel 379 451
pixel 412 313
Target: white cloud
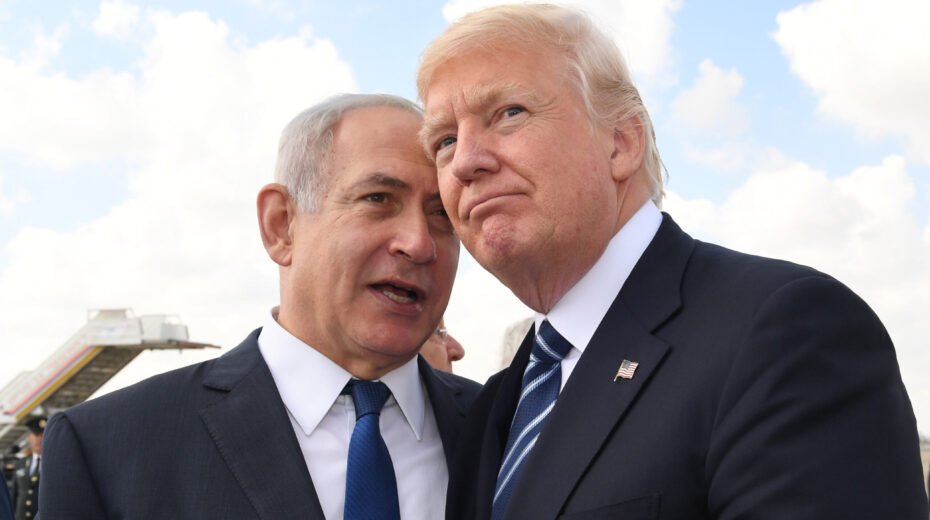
pixel 11 198
pixel 642 30
pixel 116 19
pixel 710 105
pixel 275 7
pixel 6 201
pixel 196 86
pixel 856 227
pixel 45 47
pixel 197 119
pixel 866 62
pixel 727 158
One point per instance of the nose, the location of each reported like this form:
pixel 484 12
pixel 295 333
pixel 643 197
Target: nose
pixel 474 154
pixel 454 349
pixel 412 239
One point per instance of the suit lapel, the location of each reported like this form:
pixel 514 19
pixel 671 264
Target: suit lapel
pixel 498 425
pixel 588 409
pixel 592 403
pixel 447 409
pixel 254 435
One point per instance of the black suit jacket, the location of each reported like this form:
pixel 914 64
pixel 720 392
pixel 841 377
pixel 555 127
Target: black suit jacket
pixel 210 441
pixel 6 508
pixel 765 390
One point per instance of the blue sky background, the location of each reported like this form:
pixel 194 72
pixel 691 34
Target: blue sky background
pixel 134 136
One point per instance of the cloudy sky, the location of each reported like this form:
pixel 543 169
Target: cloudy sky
pixel 134 137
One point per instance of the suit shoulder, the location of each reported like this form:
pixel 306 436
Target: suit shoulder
pixel 710 256
pixel 467 388
pixel 488 393
pixel 731 270
pixel 181 387
pixel 165 389
pixel 738 288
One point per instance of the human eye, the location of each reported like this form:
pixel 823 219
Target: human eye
pixel 377 198
pixel 434 208
pixel 445 142
pixel 440 218
pixel 512 111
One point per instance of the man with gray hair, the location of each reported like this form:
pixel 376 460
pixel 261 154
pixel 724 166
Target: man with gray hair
pixel 664 377
pixel 326 411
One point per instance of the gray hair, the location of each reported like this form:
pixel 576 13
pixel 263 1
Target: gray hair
pixel 305 147
pixel 600 72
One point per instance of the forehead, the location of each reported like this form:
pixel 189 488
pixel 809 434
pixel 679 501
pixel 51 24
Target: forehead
pixel 375 127
pixel 379 140
pixel 480 77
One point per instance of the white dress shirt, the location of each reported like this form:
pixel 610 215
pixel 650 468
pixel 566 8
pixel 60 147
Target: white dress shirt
pixel 310 386
pixel 580 311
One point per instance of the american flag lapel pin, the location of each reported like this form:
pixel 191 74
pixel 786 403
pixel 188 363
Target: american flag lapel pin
pixel 626 370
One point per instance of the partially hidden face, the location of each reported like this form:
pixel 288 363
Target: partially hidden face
pixel 524 174
pixel 373 268
pixel 441 349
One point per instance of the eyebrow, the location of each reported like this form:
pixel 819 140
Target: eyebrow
pixel 381 180
pixel 477 100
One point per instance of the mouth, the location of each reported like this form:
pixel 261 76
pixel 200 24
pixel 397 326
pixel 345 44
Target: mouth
pixel 400 292
pixel 478 202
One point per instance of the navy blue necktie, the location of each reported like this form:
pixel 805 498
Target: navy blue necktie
pixel 541 382
pixel 371 489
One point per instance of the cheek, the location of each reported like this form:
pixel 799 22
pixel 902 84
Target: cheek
pixel 450 191
pixel 448 262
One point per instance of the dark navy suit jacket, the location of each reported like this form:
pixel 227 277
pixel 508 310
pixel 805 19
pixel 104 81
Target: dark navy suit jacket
pixel 210 441
pixel 765 390
pixel 6 507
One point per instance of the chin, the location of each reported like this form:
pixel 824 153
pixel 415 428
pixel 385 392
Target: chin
pixel 401 344
pixel 495 239
pixel 497 251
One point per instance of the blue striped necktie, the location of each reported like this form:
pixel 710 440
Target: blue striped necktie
pixel 541 382
pixel 371 488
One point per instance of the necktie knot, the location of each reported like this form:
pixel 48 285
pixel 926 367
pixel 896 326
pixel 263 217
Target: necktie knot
pixel 369 396
pixel 550 346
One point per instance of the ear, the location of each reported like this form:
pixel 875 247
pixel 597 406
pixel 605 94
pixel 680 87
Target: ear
pixel 276 212
pixel 629 147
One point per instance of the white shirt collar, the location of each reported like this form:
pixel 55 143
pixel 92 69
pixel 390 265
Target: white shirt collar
pixel 309 382
pixel 580 311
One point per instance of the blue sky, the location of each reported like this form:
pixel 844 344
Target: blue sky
pixel 133 137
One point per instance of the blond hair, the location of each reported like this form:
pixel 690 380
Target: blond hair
pixel 600 72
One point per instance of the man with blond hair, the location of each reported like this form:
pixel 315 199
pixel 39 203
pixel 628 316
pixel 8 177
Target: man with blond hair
pixel 664 377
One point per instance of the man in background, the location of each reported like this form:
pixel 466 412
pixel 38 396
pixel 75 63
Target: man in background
pixel 326 411
pixel 664 377
pixel 442 349
pixel 26 472
pixel 9 462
